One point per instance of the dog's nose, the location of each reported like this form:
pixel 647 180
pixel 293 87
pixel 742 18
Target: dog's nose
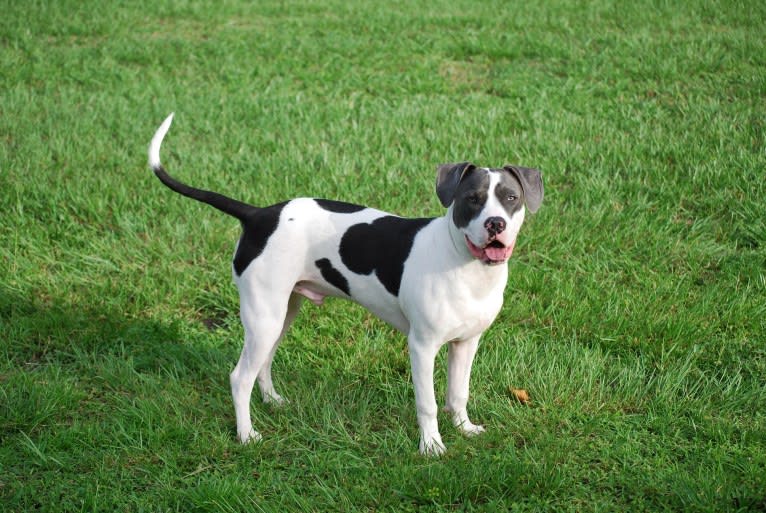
pixel 494 225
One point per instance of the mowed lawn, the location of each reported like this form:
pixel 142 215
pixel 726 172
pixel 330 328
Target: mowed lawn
pixel 635 312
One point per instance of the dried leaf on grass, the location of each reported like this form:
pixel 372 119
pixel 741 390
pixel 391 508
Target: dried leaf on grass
pixel 520 395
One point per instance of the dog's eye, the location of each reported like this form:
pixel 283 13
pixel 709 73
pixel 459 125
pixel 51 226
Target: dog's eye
pixel 475 199
pixel 511 197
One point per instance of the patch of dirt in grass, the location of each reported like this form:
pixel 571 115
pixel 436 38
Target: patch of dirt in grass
pixel 470 75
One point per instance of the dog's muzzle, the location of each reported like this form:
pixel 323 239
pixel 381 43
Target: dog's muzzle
pixel 495 252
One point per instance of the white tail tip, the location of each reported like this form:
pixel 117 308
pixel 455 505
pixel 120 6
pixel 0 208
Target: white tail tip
pixel 154 146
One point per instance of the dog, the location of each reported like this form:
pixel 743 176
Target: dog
pixel 437 280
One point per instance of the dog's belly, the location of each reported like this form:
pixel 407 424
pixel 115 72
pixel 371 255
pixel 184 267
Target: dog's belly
pixel 383 305
pixel 385 308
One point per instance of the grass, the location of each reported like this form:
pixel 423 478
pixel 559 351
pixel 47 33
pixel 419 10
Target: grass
pixel 636 306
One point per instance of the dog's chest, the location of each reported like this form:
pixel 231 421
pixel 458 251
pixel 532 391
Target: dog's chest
pixel 449 298
pixel 466 314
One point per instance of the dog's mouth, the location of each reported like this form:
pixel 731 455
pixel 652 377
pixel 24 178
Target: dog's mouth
pixel 495 252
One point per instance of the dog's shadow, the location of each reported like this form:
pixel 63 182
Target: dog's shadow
pixel 61 361
pixel 48 331
pixel 43 337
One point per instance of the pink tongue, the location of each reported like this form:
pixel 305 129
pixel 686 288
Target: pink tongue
pixel 491 254
pixel 499 254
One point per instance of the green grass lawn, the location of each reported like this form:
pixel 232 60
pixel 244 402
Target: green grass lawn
pixel 635 313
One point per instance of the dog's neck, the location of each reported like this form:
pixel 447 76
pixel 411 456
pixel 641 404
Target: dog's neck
pixel 457 237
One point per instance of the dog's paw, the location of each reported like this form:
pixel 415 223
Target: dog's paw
pixel 275 399
pixel 469 429
pixel 460 420
pixel 250 437
pixel 432 446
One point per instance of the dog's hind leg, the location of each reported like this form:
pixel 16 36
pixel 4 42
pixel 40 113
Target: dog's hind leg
pixel 268 392
pixel 263 323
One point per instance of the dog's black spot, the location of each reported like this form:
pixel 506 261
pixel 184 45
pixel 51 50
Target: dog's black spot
pixel 256 230
pixel 332 275
pixel 470 198
pixel 339 207
pixel 381 246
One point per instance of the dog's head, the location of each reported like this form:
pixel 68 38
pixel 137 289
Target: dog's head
pixel 488 205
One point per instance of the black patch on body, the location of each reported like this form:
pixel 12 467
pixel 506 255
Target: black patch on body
pixel 339 207
pixel 332 275
pixel 381 247
pixel 256 230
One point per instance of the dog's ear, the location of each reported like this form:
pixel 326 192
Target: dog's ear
pixel 448 177
pixel 531 182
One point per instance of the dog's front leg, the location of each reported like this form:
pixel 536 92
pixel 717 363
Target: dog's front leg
pixel 422 356
pixel 459 362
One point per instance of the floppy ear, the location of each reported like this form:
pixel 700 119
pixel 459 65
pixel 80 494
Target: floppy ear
pixel 448 177
pixel 531 182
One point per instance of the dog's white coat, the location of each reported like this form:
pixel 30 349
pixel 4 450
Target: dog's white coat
pixel 446 297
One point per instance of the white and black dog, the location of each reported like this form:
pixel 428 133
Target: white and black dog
pixel 437 280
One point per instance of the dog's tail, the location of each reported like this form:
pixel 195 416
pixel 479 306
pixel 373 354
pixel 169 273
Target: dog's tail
pixel 227 205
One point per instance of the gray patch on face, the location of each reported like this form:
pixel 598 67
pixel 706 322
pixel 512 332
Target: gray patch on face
pixel 509 192
pixel 531 181
pixel 470 197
